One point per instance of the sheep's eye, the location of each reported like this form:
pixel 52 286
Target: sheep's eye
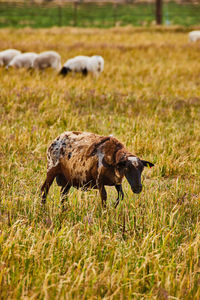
pixel 121 164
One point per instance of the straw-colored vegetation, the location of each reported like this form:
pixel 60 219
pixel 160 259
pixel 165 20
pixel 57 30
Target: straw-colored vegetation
pixel 149 98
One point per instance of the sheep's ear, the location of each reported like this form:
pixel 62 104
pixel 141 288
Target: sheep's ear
pixel 121 159
pixel 147 163
pixel 92 150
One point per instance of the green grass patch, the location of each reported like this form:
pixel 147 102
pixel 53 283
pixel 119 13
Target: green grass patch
pixel 94 15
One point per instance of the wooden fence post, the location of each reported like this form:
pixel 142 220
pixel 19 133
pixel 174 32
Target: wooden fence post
pixel 114 13
pixel 59 15
pixel 158 12
pixel 75 12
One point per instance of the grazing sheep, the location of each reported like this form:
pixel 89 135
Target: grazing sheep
pixel 47 59
pixel 194 35
pixel 7 55
pixel 24 60
pixel 88 160
pixel 84 64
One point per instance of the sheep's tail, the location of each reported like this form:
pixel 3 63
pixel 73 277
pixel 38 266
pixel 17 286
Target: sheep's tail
pixel 64 71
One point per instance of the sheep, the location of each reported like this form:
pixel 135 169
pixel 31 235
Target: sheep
pixel 84 64
pixel 24 60
pixel 47 59
pixel 87 160
pixel 7 55
pixel 194 36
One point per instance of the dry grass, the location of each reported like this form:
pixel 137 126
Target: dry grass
pixel 149 98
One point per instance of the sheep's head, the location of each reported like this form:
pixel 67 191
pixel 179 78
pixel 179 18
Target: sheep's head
pixel 112 155
pixel 133 167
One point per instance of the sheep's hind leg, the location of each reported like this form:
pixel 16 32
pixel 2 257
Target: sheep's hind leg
pixel 64 192
pixel 51 174
pixel 65 187
pixel 120 194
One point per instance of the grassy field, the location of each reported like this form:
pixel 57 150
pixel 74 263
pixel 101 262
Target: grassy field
pixel 149 98
pixel 94 15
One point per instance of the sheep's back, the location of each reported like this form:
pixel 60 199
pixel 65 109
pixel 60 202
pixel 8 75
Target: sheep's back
pixel 24 60
pixel 47 59
pixel 70 151
pixel 77 63
pixel 7 55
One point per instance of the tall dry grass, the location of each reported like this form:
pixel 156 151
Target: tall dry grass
pixel 149 98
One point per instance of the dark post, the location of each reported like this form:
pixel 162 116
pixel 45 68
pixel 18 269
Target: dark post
pixel 158 12
pixel 59 15
pixel 114 13
pixel 75 12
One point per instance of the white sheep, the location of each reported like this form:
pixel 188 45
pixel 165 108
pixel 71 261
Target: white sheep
pixel 84 64
pixel 194 36
pixel 47 59
pixel 7 55
pixel 24 60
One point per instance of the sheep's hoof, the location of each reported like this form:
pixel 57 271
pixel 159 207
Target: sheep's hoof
pixel 63 207
pixel 42 203
pixel 104 206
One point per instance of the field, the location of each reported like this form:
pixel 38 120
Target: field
pixel 93 15
pixel 149 98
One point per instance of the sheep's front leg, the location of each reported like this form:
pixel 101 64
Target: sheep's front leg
pixel 100 183
pixel 120 194
pixel 103 195
pixel 85 72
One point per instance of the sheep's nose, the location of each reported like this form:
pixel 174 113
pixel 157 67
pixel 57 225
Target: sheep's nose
pixel 137 190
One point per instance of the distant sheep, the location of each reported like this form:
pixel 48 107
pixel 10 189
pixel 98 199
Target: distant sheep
pixel 194 35
pixel 7 55
pixel 87 160
pixel 24 60
pixel 47 59
pixel 84 64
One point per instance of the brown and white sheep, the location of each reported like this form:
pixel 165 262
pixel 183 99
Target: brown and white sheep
pixel 88 160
